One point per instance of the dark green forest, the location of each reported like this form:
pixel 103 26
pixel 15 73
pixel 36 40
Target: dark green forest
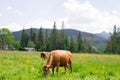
pixel 113 45
pixel 58 39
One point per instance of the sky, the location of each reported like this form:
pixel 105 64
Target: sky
pixel 92 16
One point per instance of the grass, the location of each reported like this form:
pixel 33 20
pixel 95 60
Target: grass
pixel 16 65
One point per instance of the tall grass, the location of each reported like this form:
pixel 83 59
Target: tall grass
pixel 16 65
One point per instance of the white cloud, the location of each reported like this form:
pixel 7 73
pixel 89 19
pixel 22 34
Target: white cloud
pixel 13 26
pixel 14 11
pixel 35 24
pixel 85 17
pixel 9 8
pixel 81 16
pixel 39 23
pixel 0 14
pixel 114 12
pixel 17 12
pixel 45 23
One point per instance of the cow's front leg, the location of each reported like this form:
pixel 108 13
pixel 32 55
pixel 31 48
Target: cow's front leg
pixel 53 69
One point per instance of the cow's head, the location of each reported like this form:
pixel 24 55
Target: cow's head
pixel 46 70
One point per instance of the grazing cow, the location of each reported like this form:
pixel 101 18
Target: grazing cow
pixel 58 58
pixel 43 55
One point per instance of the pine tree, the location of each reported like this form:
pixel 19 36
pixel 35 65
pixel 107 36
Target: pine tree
pixel 46 41
pixel 114 39
pixel 72 45
pixel 24 39
pixel 80 45
pixel 66 43
pixel 32 36
pixel 40 40
pixel 61 37
pixel 118 41
pixel 113 45
pixel 53 41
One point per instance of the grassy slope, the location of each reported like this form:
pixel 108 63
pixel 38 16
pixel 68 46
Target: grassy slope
pixel 16 65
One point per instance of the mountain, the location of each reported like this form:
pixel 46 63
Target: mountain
pixel 99 40
pixel 103 35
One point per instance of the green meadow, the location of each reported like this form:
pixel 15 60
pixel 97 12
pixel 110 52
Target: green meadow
pixel 19 65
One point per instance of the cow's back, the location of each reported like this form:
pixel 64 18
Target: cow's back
pixel 60 56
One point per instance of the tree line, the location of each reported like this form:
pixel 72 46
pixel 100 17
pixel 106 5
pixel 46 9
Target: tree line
pixel 113 45
pixel 57 39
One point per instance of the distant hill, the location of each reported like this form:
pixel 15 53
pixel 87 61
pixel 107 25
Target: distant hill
pixel 99 40
pixel 103 34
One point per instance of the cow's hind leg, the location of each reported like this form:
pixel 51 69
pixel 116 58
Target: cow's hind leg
pixel 65 69
pixel 57 67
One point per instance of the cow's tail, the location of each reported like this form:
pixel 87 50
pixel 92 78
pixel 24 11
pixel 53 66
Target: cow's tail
pixel 70 60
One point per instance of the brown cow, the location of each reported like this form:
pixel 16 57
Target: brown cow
pixel 43 55
pixel 58 58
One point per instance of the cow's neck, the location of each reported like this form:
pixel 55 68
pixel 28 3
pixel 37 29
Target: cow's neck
pixel 49 62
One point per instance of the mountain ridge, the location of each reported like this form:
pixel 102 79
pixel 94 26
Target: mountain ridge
pixel 98 40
